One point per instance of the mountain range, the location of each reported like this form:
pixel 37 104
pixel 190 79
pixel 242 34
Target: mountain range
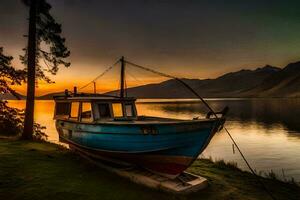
pixel 8 96
pixel 267 81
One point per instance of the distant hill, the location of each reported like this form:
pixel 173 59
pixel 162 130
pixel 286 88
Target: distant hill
pixel 228 85
pixel 234 83
pixel 283 83
pixel 49 96
pixel 267 81
pixel 9 96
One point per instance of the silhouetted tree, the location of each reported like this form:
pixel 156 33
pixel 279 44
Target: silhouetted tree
pixel 9 75
pixel 44 43
pixel 12 119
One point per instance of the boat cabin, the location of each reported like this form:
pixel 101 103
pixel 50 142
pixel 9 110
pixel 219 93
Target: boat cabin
pixel 94 108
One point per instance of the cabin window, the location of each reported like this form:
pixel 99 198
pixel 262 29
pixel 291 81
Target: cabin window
pixel 74 110
pixel 117 109
pixel 62 109
pixel 129 110
pixel 104 110
pixel 86 111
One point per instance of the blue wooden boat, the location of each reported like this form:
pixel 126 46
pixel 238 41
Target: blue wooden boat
pixel 109 128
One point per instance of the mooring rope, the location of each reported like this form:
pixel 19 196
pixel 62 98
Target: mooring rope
pixel 202 100
pixel 213 112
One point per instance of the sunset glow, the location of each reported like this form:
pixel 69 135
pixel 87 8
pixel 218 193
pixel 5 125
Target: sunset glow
pixel 149 99
pixel 209 40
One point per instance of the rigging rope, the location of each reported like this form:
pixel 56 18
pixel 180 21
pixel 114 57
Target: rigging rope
pixel 132 76
pixel 213 112
pixel 99 76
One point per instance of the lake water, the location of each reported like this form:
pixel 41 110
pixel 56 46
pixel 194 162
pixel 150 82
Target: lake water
pixel 267 130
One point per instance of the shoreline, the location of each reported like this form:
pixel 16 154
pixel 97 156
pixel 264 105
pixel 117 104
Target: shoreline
pixel 184 98
pixel 42 170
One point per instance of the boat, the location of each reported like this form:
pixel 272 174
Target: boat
pixel 108 128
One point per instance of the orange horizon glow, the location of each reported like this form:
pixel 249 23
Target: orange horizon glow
pixel 102 86
pixel 80 73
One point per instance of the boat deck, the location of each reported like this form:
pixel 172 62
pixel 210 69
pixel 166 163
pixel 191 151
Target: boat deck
pixel 150 120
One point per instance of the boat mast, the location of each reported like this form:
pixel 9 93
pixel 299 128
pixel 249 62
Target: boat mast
pixel 122 77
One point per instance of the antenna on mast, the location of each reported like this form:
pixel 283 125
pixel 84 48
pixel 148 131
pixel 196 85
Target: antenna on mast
pixel 95 91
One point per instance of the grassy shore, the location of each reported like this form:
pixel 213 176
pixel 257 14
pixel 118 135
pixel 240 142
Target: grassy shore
pixel 39 170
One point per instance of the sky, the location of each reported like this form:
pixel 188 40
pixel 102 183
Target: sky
pixel 185 38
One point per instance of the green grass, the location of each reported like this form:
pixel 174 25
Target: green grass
pixel 39 170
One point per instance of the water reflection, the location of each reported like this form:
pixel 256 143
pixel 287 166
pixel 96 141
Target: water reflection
pixel 267 111
pixel 43 114
pixel 267 130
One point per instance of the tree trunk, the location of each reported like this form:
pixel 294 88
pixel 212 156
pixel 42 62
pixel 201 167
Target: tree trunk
pixel 29 112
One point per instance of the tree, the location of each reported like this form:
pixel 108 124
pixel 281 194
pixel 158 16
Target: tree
pixel 9 75
pixel 10 118
pixel 44 43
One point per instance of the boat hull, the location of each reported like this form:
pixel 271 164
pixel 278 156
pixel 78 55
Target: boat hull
pixel 164 148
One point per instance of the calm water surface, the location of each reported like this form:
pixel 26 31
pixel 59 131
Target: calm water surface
pixel 267 130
